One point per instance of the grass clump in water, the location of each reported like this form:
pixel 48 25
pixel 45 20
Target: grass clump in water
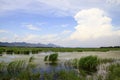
pixel 53 57
pixel 46 58
pixel 88 64
pixel 31 59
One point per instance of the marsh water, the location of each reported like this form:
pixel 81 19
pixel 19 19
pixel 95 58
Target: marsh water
pixel 39 58
pixel 63 56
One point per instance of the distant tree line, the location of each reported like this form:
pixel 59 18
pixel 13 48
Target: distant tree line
pixel 111 47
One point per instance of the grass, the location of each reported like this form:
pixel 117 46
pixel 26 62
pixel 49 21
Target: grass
pixel 61 75
pixel 51 59
pixel 114 72
pixel 31 59
pixel 26 50
pixel 24 70
pixel 67 75
pixel 88 63
pixel 110 60
pixel 17 70
pixel 46 58
pixel 75 63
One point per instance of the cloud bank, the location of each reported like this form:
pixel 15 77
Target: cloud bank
pixel 93 24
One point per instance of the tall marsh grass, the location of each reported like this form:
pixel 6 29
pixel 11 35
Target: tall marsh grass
pixel 26 50
pixel 85 68
pixel 52 58
pixel 88 64
pixel 18 70
pixel 114 72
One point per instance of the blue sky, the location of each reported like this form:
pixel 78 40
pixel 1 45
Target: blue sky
pixel 71 23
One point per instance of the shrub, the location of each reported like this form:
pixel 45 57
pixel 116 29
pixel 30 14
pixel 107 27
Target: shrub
pixel 88 64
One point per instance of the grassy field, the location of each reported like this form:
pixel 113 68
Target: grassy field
pixel 26 50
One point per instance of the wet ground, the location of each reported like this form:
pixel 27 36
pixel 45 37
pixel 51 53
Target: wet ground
pixel 62 55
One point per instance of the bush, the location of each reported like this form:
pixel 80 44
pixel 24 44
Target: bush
pixel 88 64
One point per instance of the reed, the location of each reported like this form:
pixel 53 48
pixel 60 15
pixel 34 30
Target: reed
pixel 17 70
pixel 88 64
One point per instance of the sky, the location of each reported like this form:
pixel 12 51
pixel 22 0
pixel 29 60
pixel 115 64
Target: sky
pixel 68 23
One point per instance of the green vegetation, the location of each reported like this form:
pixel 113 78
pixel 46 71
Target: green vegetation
pixel 75 63
pixel 31 59
pixel 18 70
pixel 2 50
pixel 61 75
pixel 114 72
pixel 9 51
pixel 76 69
pixel 110 60
pixel 82 68
pixel 67 75
pixel 52 58
pixel 88 64
pixel 46 58
pixel 26 50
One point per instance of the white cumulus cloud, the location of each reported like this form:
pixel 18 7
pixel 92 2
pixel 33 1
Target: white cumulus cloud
pixel 93 24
